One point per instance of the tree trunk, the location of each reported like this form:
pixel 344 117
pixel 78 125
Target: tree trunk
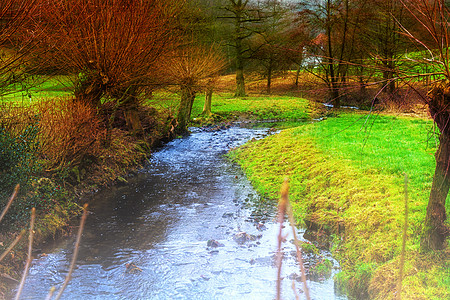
pixel 240 81
pixel 184 111
pixel 133 121
pixel 127 100
pixel 208 100
pixel 388 76
pixel 297 75
pixel 269 78
pixel 131 114
pixel 435 230
pixel 334 91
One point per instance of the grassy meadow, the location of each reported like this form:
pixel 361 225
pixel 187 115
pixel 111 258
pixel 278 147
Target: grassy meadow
pixel 346 175
pixel 226 107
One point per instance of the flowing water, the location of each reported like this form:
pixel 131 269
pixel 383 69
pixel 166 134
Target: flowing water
pixel 188 226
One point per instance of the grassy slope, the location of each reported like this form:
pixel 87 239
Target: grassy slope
pixel 347 172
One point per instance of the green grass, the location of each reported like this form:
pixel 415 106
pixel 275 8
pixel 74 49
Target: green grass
pixel 256 107
pixel 347 173
pixel 39 88
pixel 391 145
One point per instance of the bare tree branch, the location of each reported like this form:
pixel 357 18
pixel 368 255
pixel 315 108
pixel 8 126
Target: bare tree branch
pixel 29 258
pixel 75 252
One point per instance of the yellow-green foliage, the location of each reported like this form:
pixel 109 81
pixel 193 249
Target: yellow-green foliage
pixel 350 182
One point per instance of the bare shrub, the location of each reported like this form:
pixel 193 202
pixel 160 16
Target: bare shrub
pixel 68 132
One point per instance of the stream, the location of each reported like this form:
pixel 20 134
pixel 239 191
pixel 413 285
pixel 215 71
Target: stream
pixel 188 226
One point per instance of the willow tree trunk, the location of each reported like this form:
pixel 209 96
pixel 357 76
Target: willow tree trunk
pixel 208 100
pixel 435 230
pixel 131 114
pixel 129 103
pixel 185 108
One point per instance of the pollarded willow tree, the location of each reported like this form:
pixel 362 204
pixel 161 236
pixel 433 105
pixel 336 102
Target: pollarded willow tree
pixel 191 68
pixel 110 46
pixel 15 41
pixel 432 34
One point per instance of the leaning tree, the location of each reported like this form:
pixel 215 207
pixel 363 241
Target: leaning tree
pixel 432 34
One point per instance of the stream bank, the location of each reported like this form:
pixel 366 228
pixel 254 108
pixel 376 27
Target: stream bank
pixel 188 226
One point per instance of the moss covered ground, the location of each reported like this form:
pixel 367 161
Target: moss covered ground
pixel 347 176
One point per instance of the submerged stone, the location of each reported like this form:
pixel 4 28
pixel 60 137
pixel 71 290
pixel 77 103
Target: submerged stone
pixel 214 244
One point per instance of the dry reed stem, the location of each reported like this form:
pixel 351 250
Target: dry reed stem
pixel 405 230
pixel 50 293
pixel 30 249
pixel 297 297
pixel 13 244
pixel 13 196
pixel 75 252
pixel 284 207
pixel 298 250
pixel 281 212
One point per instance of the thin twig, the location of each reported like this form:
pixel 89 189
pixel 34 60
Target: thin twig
pixel 50 293
pixel 297 297
pixel 298 249
pixel 13 196
pixel 405 230
pixel 13 244
pixel 281 212
pixel 75 253
pixel 30 249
